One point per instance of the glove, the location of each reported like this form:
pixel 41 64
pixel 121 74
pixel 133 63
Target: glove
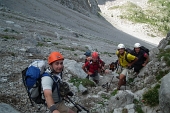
pixel 70 93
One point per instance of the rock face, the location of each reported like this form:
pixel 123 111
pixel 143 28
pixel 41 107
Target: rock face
pixel 164 94
pixel 164 42
pixel 5 108
pixel 122 99
pixel 24 39
pixel 82 6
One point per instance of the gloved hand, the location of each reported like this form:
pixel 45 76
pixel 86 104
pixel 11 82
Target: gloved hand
pixel 70 93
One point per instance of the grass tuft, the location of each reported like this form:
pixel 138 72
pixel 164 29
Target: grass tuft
pixel 152 15
pixel 85 82
pixel 151 97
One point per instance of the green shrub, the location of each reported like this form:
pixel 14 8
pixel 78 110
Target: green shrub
pixel 160 74
pixel 151 97
pixel 40 44
pixel 138 105
pixel 114 92
pixel 138 109
pixel 166 56
pixel 6 30
pixel 105 96
pixel 85 82
pixel 68 48
pixel 102 103
pixel 8 37
pixel 55 43
pixel 124 110
pixel 152 15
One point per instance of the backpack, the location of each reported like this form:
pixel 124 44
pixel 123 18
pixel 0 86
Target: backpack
pixel 113 65
pixel 31 77
pixel 128 51
pixel 146 50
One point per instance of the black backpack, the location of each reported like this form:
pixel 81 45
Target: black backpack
pixel 146 50
pixel 128 51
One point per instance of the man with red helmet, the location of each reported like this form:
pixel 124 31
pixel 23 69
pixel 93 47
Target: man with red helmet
pixel 52 95
pixel 92 68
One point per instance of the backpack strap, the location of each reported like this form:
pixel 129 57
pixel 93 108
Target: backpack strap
pixel 126 57
pixel 56 80
pixel 126 54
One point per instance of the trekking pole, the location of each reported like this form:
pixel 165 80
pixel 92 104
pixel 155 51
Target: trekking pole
pixel 107 85
pixel 78 106
pixel 83 108
pixel 78 109
pixel 113 76
pixel 127 76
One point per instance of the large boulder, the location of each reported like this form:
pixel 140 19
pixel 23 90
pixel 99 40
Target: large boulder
pixel 163 43
pixel 74 68
pixel 121 99
pixel 6 108
pixel 164 94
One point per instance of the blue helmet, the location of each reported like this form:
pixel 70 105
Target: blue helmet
pixel 88 53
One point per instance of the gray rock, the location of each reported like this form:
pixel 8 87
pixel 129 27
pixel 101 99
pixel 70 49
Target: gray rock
pixel 162 44
pixel 164 94
pixel 27 40
pixel 149 80
pixel 147 109
pixel 130 108
pixel 153 53
pixel 9 22
pixel 163 65
pixel 122 99
pixel 82 89
pixel 75 68
pixel 18 26
pixel 167 47
pixel 33 50
pixel 6 108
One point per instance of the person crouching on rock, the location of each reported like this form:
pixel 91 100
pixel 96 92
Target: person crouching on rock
pixel 93 67
pixel 53 98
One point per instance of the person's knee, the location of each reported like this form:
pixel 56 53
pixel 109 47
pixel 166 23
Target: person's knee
pixel 122 76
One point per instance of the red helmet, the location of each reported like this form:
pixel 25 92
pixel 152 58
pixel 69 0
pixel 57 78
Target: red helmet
pixel 95 55
pixel 54 56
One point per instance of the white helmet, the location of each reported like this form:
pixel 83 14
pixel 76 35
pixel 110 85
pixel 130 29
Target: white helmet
pixel 137 45
pixel 120 46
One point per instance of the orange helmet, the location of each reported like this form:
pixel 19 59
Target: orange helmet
pixel 95 55
pixel 55 56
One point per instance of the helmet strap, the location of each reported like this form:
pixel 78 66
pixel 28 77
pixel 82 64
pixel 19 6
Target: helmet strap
pixel 52 70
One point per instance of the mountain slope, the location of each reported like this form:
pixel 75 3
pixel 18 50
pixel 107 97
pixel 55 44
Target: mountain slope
pixel 51 11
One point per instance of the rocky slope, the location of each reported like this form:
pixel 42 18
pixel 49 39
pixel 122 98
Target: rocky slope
pixel 30 30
